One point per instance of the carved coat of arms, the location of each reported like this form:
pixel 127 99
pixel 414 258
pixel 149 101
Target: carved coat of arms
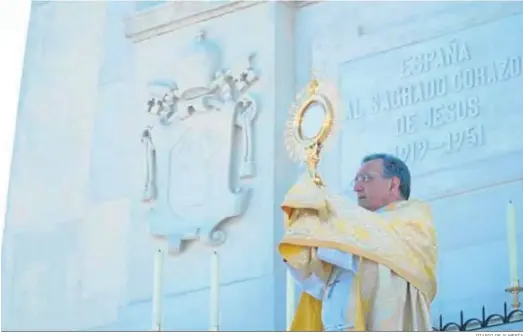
pixel 200 118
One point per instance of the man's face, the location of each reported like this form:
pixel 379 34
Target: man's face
pixel 372 189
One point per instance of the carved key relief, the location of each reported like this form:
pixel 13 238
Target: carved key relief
pixel 190 162
pixel 440 102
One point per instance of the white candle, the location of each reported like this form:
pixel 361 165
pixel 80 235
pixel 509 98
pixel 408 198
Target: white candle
pixel 512 243
pixel 158 289
pixel 290 299
pixel 214 299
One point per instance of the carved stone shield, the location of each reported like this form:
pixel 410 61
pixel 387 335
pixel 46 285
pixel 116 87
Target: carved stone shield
pixel 194 169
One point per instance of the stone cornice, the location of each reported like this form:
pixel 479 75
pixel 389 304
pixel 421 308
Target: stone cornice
pixel 301 4
pixel 297 4
pixel 175 15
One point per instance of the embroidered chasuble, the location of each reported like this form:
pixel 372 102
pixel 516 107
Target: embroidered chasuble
pixel 359 270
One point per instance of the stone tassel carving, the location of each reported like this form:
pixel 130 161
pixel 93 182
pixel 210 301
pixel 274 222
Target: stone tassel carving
pixel 246 116
pixel 150 192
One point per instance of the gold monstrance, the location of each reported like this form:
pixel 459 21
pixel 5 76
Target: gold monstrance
pixel 313 120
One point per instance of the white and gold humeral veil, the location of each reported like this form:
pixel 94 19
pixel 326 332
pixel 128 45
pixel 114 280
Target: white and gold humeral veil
pixel 401 238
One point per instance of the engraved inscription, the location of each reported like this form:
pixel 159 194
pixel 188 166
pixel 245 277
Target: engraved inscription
pixel 406 124
pixel 413 93
pixel 445 114
pixel 455 52
pixel 446 143
pixel 427 105
pixel 438 115
pixel 354 111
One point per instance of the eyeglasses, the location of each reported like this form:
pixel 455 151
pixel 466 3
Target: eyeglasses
pixel 364 177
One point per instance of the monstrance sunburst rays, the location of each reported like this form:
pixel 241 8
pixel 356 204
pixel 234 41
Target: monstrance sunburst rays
pixel 307 150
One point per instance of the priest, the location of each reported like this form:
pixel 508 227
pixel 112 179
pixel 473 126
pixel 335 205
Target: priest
pixel 369 266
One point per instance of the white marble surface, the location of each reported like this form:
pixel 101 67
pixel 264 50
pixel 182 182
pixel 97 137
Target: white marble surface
pixel 76 253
